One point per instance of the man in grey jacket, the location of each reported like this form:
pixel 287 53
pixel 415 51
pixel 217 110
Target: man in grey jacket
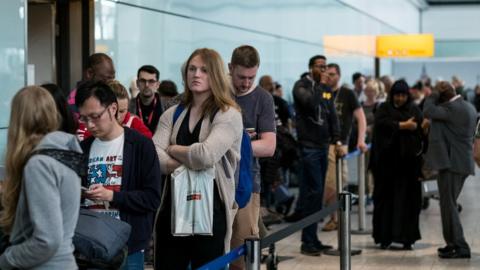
pixel 450 152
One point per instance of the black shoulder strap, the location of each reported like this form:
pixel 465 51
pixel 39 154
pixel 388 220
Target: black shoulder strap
pixel 73 160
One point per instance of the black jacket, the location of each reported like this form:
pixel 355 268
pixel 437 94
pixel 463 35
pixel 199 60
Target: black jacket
pixel 150 120
pixel 316 117
pixel 139 195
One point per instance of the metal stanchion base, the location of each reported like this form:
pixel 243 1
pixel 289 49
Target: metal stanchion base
pixel 361 232
pixel 336 252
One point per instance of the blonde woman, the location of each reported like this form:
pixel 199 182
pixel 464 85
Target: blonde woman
pixel 208 132
pixel 124 117
pixel 41 196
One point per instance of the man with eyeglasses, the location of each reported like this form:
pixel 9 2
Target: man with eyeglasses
pixel 148 105
pixel 123 169
pixel 348 108
pixel 317 128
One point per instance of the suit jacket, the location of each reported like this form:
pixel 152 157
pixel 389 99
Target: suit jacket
pixel 451 135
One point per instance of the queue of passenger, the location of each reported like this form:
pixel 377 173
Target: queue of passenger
pixel 133 177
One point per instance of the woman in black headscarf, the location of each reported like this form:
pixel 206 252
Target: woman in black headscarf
pixel 395 163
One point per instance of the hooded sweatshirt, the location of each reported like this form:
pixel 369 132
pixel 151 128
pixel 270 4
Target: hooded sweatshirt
pixel 47 211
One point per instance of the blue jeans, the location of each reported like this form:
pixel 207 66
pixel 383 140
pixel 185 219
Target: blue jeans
pixel 135 261
pixel 315 162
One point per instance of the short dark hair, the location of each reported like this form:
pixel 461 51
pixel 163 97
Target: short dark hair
pixel 336 67
pixel 97 58
pixel 168 88
pixel 99 90
pixel 245 56
pixel 149 69
pixel 418 86
pixel 313 59
pixel 356 76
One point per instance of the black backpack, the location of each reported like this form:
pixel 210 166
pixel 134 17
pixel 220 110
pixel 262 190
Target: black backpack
pixel 105 250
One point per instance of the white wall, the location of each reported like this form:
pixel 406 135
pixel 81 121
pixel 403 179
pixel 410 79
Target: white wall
pixel 457 35
pixel 453 22
pixel 401 14
pixel 285 32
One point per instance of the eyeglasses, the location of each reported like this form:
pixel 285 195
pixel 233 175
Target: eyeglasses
pixel 92 118
pixel 147 82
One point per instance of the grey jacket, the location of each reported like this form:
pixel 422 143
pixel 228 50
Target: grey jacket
pixel 47 211
pixel 451 135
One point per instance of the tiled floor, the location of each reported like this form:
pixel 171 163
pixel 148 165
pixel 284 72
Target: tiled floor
pixel 424 255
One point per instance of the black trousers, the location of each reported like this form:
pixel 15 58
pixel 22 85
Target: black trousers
pixel 176 253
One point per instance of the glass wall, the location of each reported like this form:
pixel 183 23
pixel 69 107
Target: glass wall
pixel 286 33
pixel 12 62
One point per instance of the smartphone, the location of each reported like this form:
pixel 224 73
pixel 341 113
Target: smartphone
pixel 250 130
pixel 83 189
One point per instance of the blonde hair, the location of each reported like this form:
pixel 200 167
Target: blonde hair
pixel 373 84
pixel 33 115
pixel 118 89
pixel 220 86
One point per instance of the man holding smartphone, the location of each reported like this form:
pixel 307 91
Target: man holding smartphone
pixel 259 122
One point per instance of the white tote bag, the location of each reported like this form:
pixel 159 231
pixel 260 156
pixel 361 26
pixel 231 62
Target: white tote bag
pixel 192 201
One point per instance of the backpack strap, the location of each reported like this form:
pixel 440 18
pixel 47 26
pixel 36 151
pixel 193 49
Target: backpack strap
pixel 180 109
pixel 74 160
pixel 177 112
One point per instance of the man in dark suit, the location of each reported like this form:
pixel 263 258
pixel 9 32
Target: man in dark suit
pixel 450 152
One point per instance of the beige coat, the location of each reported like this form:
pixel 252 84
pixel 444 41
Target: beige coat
pixel 219 145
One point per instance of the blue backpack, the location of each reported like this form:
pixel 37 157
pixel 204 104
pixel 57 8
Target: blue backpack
pixel 243 173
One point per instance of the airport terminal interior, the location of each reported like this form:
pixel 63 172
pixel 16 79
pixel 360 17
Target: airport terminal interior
pixel 422 42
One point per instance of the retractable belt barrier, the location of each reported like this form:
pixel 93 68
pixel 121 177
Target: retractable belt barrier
pixel 220 262
pixel 344 241
pixel 361 174
pixel 356 152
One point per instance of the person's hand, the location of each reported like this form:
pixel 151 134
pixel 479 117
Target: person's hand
pixel 340 151
pixel 425 125
pixel 251 133
pixel 169 149
pixel 172 165
pixel 362 146
pixel 324 77
pixel 410 124
pixel 98 192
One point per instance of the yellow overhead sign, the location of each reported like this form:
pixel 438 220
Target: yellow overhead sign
pixel 421 45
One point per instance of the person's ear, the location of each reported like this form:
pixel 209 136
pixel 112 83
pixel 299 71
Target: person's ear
pixel 89 74
pixel 114 108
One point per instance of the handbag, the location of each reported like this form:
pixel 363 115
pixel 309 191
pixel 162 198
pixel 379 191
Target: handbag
pixel 100 239
pixel 192 201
